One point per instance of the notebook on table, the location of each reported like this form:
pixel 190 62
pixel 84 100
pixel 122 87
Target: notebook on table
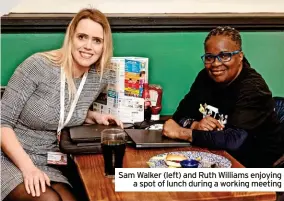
pixel 88 133
pixel 153 138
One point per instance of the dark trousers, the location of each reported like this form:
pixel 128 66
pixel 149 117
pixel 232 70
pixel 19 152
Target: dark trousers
pixel 280 196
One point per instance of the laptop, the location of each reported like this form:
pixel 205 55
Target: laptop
pixel 153 138
pixel 88 133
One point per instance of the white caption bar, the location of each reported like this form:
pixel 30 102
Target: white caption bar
pixel 199 179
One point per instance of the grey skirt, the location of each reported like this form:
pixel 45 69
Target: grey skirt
pixel 11 176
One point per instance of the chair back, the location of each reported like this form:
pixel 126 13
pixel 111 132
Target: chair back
pixel 279 108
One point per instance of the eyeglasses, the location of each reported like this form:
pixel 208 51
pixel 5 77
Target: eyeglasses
pixel 222 57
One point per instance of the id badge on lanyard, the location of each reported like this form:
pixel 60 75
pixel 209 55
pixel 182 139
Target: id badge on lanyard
pixel 59 158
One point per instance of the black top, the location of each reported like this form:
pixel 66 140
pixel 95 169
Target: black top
pixel 252 132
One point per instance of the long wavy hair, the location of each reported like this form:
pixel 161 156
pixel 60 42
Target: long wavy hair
pixel 63 56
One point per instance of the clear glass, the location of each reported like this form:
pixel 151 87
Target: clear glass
pixel 113 142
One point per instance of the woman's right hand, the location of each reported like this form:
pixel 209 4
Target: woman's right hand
pixel 35 181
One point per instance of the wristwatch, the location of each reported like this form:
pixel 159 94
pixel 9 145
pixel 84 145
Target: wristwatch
pixel 187 123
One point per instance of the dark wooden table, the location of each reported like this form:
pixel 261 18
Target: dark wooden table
pixel 100 188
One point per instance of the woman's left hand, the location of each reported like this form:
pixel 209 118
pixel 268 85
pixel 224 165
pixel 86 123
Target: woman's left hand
pixel 106 119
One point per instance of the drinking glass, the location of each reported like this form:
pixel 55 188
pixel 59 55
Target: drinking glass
pixel 113 142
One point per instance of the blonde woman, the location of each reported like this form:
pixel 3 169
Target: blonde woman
pixel 32 115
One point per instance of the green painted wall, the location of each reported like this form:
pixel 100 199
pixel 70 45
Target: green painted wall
pixel 174 57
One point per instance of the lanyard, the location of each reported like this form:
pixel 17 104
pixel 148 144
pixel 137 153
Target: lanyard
pixel 61 123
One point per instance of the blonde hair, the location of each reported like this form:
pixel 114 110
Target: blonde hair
pixel 63 56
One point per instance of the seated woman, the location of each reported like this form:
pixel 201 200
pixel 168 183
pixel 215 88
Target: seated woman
pixel 229 105
pixel 36 106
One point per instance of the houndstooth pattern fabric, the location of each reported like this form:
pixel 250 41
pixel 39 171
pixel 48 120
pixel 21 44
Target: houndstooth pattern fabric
pixel 31 106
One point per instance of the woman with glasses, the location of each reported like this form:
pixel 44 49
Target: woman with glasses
pixel 229 106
